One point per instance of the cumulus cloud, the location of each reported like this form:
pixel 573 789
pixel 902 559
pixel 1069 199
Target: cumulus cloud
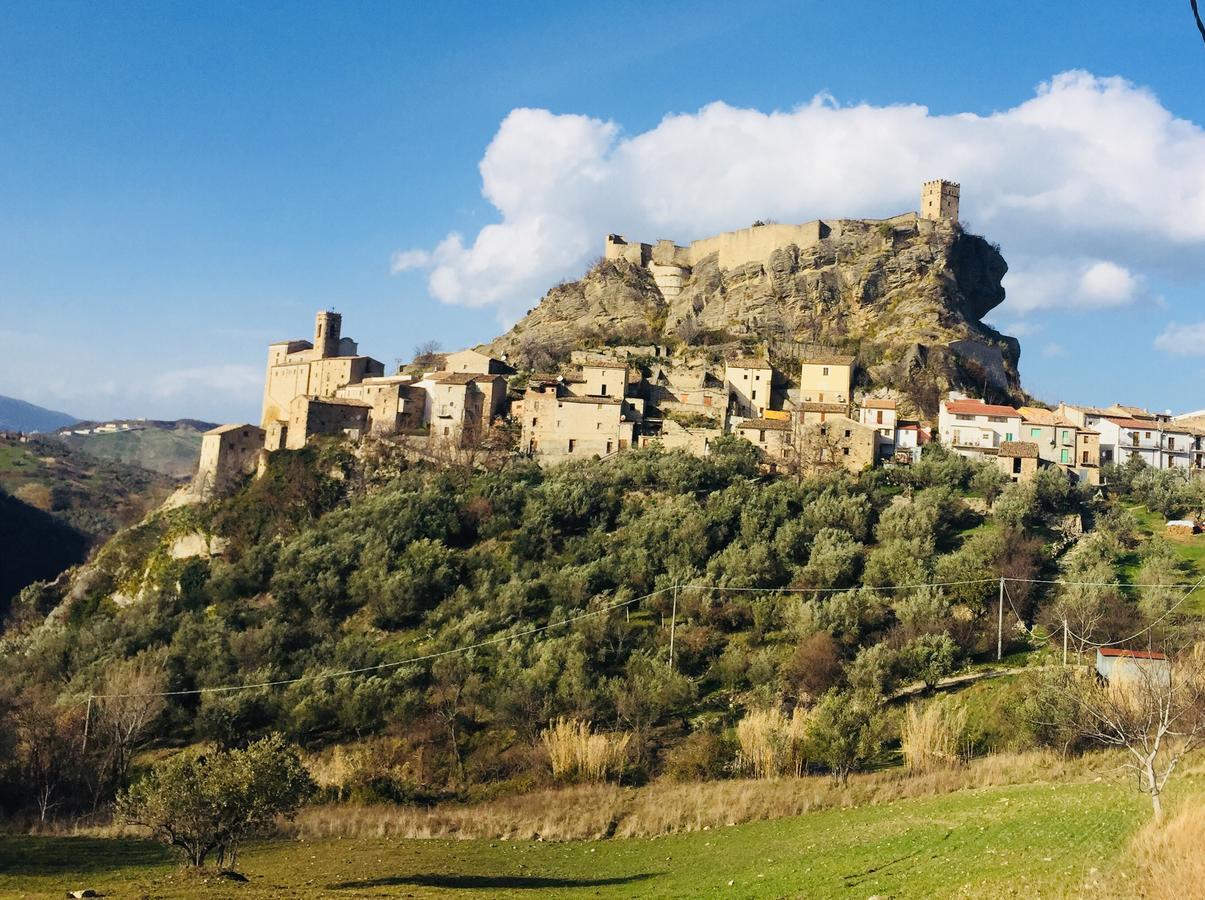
pixel 1085 185
pixel 1070 283
pixel 1182 340
pixel 1053 350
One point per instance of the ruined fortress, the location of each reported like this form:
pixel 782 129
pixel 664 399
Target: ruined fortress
pixel 671 264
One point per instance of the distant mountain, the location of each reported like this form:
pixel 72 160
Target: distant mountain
pixel 17 415
pixel 168 447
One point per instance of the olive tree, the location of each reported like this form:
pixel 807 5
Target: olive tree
pixel 205 802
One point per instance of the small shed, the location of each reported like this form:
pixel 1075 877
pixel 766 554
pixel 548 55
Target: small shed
pixel 1117 666
pixel 1018 459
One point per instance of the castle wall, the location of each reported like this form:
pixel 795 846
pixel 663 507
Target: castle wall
pixel 227 452
pixel 309 416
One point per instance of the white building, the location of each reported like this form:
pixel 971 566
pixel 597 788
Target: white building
pixel 974 428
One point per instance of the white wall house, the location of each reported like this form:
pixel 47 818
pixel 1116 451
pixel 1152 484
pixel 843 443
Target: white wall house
pixel 974 428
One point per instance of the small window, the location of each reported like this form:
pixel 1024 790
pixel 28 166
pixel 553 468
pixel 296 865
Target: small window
pixel 825 370
pixel 572 444
pixel 761 437
pixel 1035 432
pixel 879 417
pixel 609 445
pixel 845 451
pixel 533 422
pixel 848 432
pixel 754 395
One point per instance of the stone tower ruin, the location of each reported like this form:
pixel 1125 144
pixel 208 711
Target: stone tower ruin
pixel 939 200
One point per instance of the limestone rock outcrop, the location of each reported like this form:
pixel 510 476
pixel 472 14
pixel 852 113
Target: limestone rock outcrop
pixel 908 297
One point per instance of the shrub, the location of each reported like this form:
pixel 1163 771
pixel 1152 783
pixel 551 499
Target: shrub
pixel 204 802
pixel 700 756
pixel 814 667
pixel 846 732
pixel 575 752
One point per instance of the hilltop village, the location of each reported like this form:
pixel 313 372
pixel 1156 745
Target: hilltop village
pixel 803 415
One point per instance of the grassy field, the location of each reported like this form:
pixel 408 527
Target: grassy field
pixel 1035 840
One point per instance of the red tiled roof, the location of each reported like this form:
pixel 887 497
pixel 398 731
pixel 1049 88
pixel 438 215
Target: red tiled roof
pixel 979 408
pixel 1134 423
pixel 1134 654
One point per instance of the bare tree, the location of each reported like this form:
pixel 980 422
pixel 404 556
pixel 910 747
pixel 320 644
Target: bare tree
pixel 1153 707
pixel 132 700
pixel 47 749
pixel 427 356
pixel 1196 14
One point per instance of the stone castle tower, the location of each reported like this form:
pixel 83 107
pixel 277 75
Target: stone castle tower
pixel 327 330
pixel 939 200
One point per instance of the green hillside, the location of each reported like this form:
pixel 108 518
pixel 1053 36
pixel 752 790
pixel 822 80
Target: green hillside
pixel 169 448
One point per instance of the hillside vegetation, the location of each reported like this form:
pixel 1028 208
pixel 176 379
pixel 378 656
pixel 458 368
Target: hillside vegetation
pixel 797 609
pixel 60 503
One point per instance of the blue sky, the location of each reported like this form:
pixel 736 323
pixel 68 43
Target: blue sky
pixel 182 183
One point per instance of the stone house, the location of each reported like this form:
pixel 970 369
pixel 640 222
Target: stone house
pixel 558 425
pixel 1018 459
pixel 398 404
pixel 826 379
pixel 773 437
pixel 460 406
pixel 837 442
pixel 227 453
pixel 476 363
pixel 312 416
pixel 748 382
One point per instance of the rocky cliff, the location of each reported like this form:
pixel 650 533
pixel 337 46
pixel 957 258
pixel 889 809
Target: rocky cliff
pixel 908 299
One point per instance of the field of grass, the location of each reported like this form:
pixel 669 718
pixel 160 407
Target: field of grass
pixel 169 451
pixel 1037 840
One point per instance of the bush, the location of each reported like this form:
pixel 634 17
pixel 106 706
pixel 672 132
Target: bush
pixel 204 802
pixel 700 756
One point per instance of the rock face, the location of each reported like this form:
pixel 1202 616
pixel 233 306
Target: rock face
pixel 908 298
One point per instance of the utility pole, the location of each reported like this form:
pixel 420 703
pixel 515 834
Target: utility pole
pixel 1000 624
pixel 1064 642
pixel 87 721
pixel 673 623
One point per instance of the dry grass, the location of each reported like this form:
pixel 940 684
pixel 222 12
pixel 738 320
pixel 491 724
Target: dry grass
pixel 576 753
pixel 931 737
pixel 1170 858
pixel 593 811
pixel 771 744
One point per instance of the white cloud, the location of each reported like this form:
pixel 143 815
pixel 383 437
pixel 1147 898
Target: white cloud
pixel 1085 185
pixel 1182 340
pixel 1053 350
pixel 404 260
pixel 1036 283
pixel 233 380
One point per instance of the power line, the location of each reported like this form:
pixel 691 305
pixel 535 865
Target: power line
pixel 862 587
pixel 390 665
pixel 1171 609
pixel 499 639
